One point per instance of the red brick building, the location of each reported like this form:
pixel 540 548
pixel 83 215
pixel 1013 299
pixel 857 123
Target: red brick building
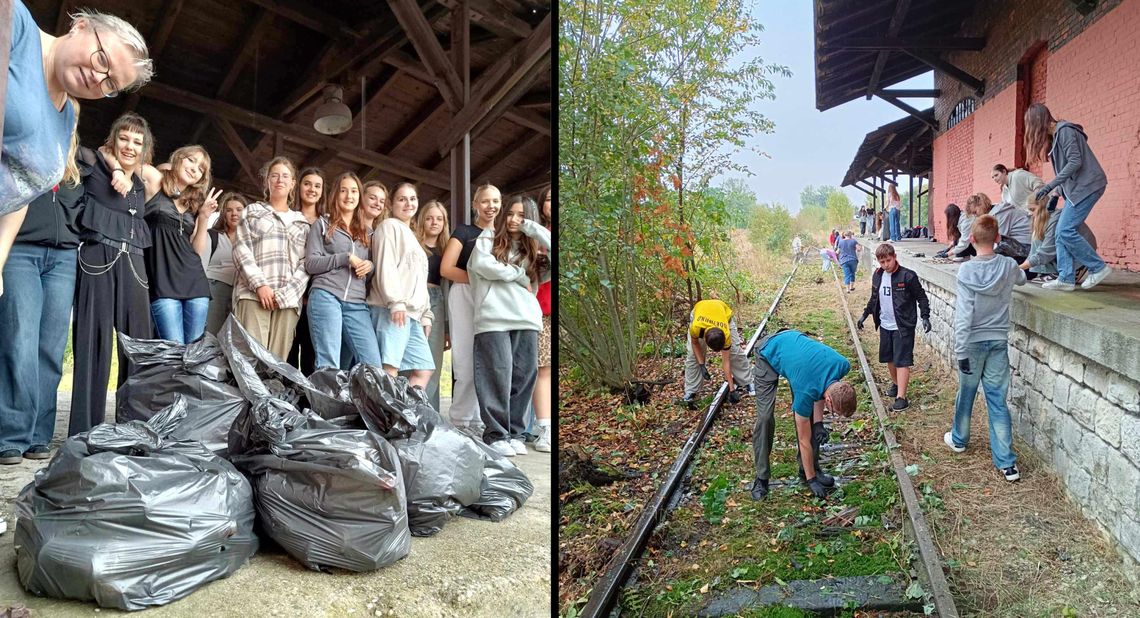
pixel 992 60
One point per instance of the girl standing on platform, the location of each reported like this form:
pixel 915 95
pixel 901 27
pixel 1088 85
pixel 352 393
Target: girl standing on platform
pixel 375 203
pixel 1082 182
pixel 485 203
pixel 310 202
pixel 401 311
pixel 893 206
pixel 542 388
pixel 505 273
pixel 337 258
pixel 433 231
pixel 220 269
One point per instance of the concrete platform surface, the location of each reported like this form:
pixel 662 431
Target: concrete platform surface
pixel 1101 324
pixel 471 568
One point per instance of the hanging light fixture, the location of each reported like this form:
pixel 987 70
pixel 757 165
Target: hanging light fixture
pixel 333 116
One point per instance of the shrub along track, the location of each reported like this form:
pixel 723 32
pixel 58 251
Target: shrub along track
pixel 717 541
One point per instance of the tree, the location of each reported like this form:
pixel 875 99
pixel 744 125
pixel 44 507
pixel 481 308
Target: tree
pixel 839 210
pixel 739 202
pixel 771 228
pixel 815 196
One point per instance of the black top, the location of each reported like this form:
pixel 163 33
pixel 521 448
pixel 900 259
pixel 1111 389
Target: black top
pixel 466 234
pixel 53 218
pixel 172 265
pixel 434 260
pixel 906 293
pixel 107 216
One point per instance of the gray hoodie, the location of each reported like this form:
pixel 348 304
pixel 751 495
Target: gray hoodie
pixel 326 259
pixel 1078 172
pixel 1012 222
pixel 981 311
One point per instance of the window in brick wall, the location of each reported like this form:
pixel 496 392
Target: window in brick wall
pixel 964 108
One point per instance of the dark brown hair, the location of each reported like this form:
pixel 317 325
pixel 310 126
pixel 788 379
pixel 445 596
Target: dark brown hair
pixel 131 121
pixel 542 218
pixel 953 216
pixel 501 249
pixel 322 201
pixel 1001 168
pixel 230 196
pixel 883 250
pixel 355 228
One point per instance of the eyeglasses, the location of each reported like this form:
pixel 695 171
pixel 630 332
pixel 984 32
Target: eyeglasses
pixel 102 64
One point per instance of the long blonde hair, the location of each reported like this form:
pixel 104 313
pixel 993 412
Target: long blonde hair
pixel 1040 218
pixel 421 235
pixel 71 168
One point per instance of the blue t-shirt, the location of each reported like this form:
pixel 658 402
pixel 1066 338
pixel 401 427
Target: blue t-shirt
pixel 36 135
pixel 847 250
pixel 809 366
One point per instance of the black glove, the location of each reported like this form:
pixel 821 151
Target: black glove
pixel 816 487
pixel 1042 192
pixel 859 324
pixel 705 372
pixel 819 434
pixel 734 396
pixel 964 366
pixel 926 325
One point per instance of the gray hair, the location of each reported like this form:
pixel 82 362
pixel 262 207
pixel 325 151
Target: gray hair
pixel 128 35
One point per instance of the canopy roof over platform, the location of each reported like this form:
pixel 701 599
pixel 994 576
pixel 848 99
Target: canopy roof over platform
pixel 864 46
pixel 905 146
pixel 243 78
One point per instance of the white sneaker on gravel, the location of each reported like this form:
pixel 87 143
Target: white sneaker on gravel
pixel 519 447
pixel 1095 278
pixel 1057 284
pixel 542 444
pixel 949 440
pixel 503 447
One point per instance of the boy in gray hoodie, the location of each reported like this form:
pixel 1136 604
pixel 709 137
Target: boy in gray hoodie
pixel 981 333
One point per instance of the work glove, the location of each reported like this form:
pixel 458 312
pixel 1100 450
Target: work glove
pixel 1052 204
pixel 859 324
pixel 1042 192
pixel 705 372
pixel 926 325
pixel 816 487
pixel 734 396
pixel 819 434
pixel 964 366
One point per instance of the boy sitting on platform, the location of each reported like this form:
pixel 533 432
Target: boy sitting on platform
pixel 981 334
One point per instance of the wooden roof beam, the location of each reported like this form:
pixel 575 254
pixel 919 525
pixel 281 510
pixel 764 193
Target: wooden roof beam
pixel 498 81
pixel 304 14
pixel 515 152
pixel 504 105
pixel 238 148
pixel 493 18
pixel 938 64
pixel 927 119
pixel 241 53
pixel 156 42
pixel 530 181
pixel 901 44
pixel 903 93
pixel 897 18
pixel 859 15
pixel 536 100
pixel 531 120
pixel 297 133
pixel 427 46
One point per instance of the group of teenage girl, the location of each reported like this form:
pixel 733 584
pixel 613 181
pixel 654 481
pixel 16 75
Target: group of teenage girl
pixel 1053 244
pixel 375 276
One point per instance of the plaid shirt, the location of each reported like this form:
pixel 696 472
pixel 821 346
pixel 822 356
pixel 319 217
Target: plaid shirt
pixel 270 250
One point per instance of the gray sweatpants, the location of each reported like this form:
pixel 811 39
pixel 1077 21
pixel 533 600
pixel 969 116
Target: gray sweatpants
pixel 741 368
pixel 506 368
pixel 765 379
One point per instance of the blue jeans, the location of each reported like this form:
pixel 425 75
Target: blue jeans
pixel 35 310
pixel 896 226
pixel 178 320
pixel 849 272
pixel 405 348
pixel 989 366
pixel 331 321
pixel 1072 248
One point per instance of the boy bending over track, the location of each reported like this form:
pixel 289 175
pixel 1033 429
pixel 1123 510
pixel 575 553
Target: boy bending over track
pixel 814 372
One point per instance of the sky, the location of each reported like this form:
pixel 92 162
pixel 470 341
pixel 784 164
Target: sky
pixel 808 147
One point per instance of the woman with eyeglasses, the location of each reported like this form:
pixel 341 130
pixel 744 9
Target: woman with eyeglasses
pixel 100 56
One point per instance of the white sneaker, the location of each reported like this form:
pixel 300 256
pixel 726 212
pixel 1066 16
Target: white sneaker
pixel 1057 284
pixel 503 447
pixel 518 446
pixel 542 444
pixel 949 440
pixel 1095 278
pixel 751 389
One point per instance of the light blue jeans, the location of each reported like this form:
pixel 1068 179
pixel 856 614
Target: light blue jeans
pixel 332 322
pixel 894 215
pixel 1072 248
pixel 178 320
pixel 989 366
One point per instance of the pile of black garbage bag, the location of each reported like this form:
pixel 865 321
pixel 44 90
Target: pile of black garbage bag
pixel 341 469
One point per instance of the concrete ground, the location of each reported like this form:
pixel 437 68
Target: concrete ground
pixel 471 568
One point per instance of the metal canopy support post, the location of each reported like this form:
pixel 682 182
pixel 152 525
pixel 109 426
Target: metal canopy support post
pixel 910 199
pixel 461 152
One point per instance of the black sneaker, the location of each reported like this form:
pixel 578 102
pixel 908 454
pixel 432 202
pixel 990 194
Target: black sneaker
pixel 900 404
pixel 1011 474
pixel 11 456
pixel 689 401
pixel 759 489
pixel 893 391
pixel 37 452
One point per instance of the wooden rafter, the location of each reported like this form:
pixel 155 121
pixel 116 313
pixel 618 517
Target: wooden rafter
pixel 300 134
pixel 410 129
pixel 512 95
pixel 305 14
pixel 897 18
pixel 241 53
pixel 531 120
pixel 156 43
pixel 901 44
pixel 538 100
pixel 938 64
pixel 237 147
pixel 926 118
pixel 493 18
pixel 498 81
pixel 491 174
pixel 903 93
pixel 427 46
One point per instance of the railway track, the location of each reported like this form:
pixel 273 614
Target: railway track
pixel 608 588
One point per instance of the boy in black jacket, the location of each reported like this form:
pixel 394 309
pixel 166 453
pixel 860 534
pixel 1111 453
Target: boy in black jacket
pixel 894 291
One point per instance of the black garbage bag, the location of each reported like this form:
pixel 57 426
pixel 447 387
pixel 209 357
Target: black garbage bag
pixel 330 396
pixel 128 517
pixel 258 373
pixel 161 371
pixel 505 488
pixel 332 497
pixel 443 468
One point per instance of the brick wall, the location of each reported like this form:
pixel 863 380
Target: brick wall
pixel 1087 74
